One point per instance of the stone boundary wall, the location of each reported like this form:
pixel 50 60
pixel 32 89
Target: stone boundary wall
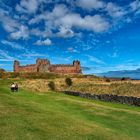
pixel 129 100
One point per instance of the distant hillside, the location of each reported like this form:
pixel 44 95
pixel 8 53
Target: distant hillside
pixel 133 74
pixel 2 70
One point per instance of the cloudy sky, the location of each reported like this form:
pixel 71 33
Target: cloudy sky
pixel 103 34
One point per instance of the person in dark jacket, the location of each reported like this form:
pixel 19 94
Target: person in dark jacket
pixel 16 87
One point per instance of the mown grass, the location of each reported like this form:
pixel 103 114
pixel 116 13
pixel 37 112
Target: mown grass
pixel 28 115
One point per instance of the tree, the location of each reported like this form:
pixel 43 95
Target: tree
pixel 107 80
pixel 123 78
pixel 51 85
pixel 1 72
pixel 68 81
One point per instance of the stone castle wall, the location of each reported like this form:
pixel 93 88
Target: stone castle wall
pixel 129 100
pixel 43 65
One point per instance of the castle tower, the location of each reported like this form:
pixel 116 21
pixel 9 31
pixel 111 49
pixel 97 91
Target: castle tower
pixel 42 65
pixel 16 66
pixel 76 64
pixel 38 62
pixel 42 61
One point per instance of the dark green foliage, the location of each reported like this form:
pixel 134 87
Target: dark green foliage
pixel 0 75
pixel 14 75
pixel 51 85
pixel 1 72
pixel 68 81
pixel 125 78
pixel 107 80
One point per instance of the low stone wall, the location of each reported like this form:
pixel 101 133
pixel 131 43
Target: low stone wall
pixel 107 97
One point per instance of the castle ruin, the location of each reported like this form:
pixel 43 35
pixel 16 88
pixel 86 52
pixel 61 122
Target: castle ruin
pixel 44 65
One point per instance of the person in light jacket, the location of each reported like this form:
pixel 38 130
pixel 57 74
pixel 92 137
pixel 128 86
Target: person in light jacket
pixel 13 87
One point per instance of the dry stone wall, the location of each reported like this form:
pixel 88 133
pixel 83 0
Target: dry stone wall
pixel 130 100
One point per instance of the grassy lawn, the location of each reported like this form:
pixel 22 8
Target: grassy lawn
pixel 28 115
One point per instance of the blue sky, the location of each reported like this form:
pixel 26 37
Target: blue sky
pixel 104 35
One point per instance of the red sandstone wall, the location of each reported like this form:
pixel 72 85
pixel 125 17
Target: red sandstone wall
pixel 63 69
pixel 30 68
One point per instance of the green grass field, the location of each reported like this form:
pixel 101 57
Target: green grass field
pixel 28 115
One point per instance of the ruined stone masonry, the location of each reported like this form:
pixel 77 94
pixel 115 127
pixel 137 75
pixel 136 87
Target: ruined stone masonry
pixel 44 65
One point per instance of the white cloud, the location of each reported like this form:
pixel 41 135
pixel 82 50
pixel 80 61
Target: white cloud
pixel 94 23
pixel 27 6
pixel 8 23
pixel 24 52
pixel 135 6
pixel 49 18
pixel 57 13
pixel 37 19
pixel 46 42
pixel 21 33
pixel 39 33
pixel 12 44
pixel 32 54
pixel 13 27
pixel 5 55
pixel 72 50
pixel 60 10
pixel 114 10
pixel 90 4
pixel 94 59
pixel 63 21
pixel 65 32
pixel 20 9
pixel 31 6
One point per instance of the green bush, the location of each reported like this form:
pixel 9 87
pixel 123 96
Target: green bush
pixel 14 75
pixel 107 80
pixel 1 74
pixel 68 81
pixel 51 85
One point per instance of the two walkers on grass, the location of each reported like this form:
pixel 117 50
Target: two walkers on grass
pixel 14 87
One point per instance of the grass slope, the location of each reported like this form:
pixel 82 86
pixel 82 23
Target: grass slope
pixel 53 116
